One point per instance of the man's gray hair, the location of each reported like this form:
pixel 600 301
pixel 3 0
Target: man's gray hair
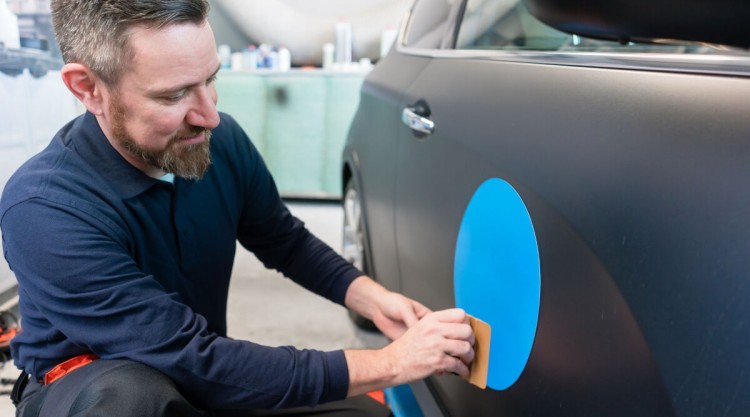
pixel 95 32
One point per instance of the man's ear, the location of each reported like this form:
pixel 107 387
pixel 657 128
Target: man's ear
pixel 85 85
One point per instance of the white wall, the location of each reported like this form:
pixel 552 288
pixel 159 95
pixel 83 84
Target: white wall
pixel 304 26
pixel 31 112
pixel 226 31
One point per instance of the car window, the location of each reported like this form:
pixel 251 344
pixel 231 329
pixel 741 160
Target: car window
pixel 507 24
pixel 430 25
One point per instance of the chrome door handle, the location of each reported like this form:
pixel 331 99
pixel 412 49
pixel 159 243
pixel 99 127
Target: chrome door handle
pixel 417 122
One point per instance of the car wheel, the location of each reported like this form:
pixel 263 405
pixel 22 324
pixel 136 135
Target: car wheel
pixel 354 243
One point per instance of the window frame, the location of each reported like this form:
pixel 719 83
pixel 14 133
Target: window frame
pixel 718 64
pixel 449 37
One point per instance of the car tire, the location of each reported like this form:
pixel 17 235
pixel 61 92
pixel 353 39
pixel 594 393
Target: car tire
pixel 354 247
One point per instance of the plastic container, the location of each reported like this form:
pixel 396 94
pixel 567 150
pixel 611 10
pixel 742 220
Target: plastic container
pixel 250 58
pixel 225 56
pixel 285 59
pixel 237 61
pixel 343 42
pixel 265 59
pixel 273 60
pixel 328 55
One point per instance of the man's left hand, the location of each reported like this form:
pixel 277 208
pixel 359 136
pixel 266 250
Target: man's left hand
pixel 391 312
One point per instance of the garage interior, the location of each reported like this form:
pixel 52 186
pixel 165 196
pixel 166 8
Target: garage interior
pixel 275 106
pixel 600 150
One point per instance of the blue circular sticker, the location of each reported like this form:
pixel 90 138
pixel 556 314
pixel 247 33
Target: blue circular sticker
pixel 497 276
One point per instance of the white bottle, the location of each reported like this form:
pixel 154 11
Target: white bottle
pixel 250 58
pixel 285 59
pixel 237 61
pixel 328 55
pixel 343 42
pixel 9 35
pixel 265 56
pixel 225 56
pixel 273 60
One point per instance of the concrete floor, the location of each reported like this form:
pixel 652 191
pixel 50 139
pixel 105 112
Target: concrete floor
pixel 269 309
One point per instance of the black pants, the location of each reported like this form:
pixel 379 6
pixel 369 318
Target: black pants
pixel 119 388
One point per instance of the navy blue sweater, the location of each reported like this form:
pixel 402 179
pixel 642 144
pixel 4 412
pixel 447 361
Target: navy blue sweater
pixel 114 262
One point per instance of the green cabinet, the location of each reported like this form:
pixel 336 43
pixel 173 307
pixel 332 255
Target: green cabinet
pixel 298 120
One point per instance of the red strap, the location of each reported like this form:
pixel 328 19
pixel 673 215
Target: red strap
pixel 68 366
pixel 378 396
pixel 6 335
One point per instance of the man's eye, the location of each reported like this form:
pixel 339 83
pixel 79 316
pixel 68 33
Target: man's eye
pixel 174 98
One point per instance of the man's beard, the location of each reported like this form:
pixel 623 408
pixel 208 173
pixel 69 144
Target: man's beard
pixel 185 161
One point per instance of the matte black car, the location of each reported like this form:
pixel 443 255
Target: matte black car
pixel 625 132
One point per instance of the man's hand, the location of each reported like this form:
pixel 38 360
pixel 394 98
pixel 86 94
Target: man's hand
pixel 396 314
pixel 391 312
pixel 441 342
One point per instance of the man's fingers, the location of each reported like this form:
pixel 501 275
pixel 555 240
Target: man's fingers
pixel 403 309
pixel 458 331
pixel 409 316
pixel 452 315
pixel 441 342
pixel 421 310
pixel 460 349
pixel 455 366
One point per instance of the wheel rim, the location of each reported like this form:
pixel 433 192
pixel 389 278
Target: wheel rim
pixel 353 242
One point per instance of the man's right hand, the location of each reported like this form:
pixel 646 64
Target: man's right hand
pixel 441 342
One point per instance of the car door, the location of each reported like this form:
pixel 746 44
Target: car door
pixel 604 156
pixel 421 232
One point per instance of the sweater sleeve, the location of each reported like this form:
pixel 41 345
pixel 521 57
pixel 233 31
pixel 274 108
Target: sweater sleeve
pixel 280 240
pixel 81 290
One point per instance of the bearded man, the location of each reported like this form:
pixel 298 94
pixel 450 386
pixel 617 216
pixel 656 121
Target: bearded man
pixel 122 235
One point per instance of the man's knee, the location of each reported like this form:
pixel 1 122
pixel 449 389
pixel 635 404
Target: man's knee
pixel 120 388
pixel 125 384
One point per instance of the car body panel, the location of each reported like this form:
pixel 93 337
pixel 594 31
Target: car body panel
pixel 650 219
pixel 634 178
pixel 373 175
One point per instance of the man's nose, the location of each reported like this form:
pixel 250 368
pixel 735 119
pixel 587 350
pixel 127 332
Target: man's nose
pixel 204 112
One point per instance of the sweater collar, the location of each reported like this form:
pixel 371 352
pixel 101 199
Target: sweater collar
pixel 94 147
